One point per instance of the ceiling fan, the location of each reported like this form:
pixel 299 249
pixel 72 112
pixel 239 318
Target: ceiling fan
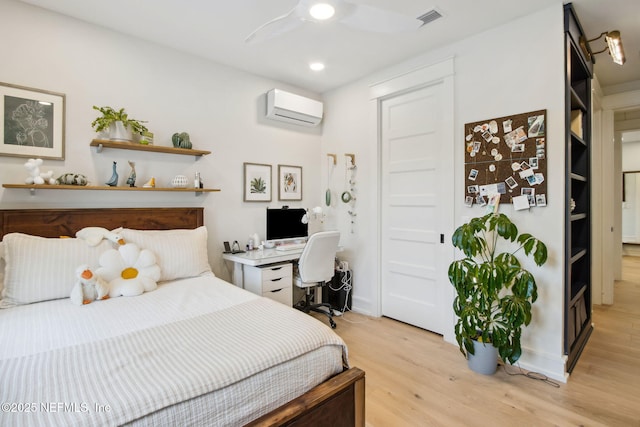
pixel 359 16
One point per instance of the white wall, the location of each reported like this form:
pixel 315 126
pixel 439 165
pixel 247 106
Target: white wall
pixel 512 69
pixel 631 156
pixel 220 107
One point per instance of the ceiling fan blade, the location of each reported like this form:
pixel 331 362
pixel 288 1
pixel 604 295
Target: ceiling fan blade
pixel 369 18
pixel 275 27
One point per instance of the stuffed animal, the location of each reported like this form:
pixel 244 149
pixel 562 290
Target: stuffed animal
pixel 94 235
pixel 89 287
pixel 35 176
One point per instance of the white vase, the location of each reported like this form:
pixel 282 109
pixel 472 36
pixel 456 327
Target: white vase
pixel 119 132
pixel 179 181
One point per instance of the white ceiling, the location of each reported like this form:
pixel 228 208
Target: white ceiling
pixel 216 29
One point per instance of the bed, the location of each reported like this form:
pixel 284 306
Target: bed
pixel 195 351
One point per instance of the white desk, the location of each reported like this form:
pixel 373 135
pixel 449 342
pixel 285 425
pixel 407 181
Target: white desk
pixel 256 258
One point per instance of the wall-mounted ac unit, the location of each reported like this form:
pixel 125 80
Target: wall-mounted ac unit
pixel 291 108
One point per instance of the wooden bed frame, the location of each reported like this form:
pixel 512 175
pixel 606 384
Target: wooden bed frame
pixel 338 401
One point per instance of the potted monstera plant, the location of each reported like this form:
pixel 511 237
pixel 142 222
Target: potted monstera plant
pixel 494 293
pixel 117 124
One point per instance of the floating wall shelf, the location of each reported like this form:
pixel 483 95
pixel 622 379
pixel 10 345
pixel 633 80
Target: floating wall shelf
pixel 32 188
pixel 101 144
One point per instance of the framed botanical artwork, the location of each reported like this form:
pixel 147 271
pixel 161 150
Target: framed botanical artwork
pixel 289 182
pixel 257 182
pixel 32 123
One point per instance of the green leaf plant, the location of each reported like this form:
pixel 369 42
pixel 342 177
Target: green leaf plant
pixel 494 294
pixel 109 115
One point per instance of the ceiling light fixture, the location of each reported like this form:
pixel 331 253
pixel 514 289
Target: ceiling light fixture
pixel 316 66
pixel 322 11
pixel 614 46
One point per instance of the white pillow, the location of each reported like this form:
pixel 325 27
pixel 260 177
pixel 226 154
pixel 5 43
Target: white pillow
pixel 40 269
pixel 1 268
pixel 179 253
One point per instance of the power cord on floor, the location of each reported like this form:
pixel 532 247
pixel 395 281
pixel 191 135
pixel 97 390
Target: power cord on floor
pixel 531 375
pixel 346 285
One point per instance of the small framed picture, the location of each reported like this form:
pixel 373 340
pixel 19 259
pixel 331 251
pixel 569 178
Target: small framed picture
pixel 473 189
pixel 541 199
pixel 32 123
pixel 257 182
pixel 473 174
pixel 289 182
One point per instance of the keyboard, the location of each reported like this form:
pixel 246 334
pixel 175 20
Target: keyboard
pixel 290 247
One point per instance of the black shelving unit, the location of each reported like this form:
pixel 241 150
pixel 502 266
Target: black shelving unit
pixel 578 75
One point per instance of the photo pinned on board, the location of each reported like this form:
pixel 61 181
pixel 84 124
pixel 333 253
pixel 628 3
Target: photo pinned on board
pixel 536 126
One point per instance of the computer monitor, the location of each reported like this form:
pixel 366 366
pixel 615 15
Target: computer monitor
pixel 286 224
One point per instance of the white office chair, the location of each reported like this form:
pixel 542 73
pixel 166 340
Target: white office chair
pixel 316 266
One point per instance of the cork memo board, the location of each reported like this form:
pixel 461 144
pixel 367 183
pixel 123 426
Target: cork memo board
pixel 507 156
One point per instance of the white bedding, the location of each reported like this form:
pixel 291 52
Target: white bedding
pixel 195 351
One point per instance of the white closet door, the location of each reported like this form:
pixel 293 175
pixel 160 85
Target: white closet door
pixel 417 206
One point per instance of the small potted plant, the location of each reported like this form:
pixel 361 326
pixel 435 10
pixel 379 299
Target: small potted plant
pixel 494 293
pixel 117 124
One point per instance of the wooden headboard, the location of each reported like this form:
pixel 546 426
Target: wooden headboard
pixel 66 222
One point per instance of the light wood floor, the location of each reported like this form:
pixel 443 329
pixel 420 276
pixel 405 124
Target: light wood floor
pixel 414 378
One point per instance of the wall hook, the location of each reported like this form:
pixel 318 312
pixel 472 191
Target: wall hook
pixel 335 157
pixel 353 158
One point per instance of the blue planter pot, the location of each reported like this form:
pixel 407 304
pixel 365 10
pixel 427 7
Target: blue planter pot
pixel 485 359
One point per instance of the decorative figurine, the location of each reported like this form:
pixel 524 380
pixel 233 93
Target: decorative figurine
pixel 181 140
pixel 132 176
pixel 72 179
pixel 150 184
pixel 35 176
pixel 113 181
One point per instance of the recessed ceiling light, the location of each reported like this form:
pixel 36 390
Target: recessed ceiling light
pixel 322 11
pixel 316 66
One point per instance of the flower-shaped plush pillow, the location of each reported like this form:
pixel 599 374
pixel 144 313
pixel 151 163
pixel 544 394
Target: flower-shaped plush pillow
pixel 129 270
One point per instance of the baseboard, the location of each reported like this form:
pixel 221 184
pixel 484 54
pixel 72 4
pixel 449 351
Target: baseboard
pixel 551 365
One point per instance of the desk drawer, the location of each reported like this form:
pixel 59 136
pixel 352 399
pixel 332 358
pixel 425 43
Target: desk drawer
pixel 282 295
pixel 276 271
pixel 276 283
pixel 272 281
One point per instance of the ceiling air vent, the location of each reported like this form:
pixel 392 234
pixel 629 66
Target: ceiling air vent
pixel 430 16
